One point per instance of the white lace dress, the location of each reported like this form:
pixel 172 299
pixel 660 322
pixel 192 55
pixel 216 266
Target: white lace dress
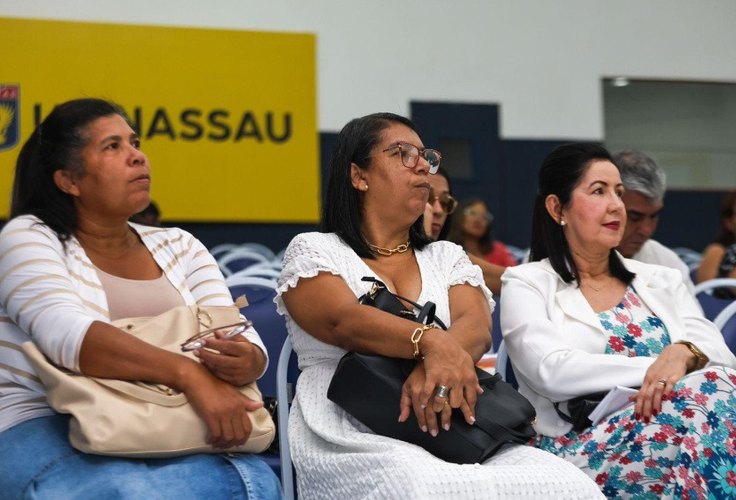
pixel 337 457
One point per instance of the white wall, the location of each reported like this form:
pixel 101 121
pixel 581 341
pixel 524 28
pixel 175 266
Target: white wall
pixel 541 60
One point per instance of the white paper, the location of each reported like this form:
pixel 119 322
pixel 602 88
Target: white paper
pixel 617 398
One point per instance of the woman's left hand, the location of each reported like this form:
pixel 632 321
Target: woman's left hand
pixel 661 377
pixel 234 360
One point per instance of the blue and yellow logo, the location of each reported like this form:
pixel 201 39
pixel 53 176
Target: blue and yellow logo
pixel 9 115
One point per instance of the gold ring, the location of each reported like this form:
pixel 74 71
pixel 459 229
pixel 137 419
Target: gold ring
pixel 662 381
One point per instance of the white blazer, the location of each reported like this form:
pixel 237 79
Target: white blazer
pixel 556 342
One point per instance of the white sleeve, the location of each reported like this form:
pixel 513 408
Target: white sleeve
pixel 554 363
pixel 305 257
pixel 38 293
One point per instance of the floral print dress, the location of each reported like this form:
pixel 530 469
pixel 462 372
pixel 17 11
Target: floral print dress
pixel 687 450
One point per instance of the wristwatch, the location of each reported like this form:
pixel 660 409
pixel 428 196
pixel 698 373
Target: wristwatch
pixel 701 358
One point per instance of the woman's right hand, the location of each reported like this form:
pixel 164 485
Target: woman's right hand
pixel 222 407
pixel 445 363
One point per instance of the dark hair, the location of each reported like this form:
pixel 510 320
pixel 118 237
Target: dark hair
pixel 560 173
pixel 726 236
pixel 444 232
pixel 341 210
pixel 56 144
pixel 457 235
pixel 148 216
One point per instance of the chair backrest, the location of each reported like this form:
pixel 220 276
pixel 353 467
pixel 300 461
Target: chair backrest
pixel 269 324
pixel 239 258
pixel 711 305
pixel 519 254
pixel 726 323
pixel 218 251
pixel 285 386
pixel 503 366
pixel 690 257
pixel 496 336
pixel 259 248
pixel 268 271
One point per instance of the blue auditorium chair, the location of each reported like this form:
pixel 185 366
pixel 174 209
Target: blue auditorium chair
pixel 704 293
pixel 726 323
pixel 239 258
pixel 503 366
pixel 286 375
pixel 271 327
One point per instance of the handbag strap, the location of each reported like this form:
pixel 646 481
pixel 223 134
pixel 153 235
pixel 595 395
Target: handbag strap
pixel 426 313
pixel 564 416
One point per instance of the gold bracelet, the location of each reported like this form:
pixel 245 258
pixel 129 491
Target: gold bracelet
pixel 416 337
pixel 701 358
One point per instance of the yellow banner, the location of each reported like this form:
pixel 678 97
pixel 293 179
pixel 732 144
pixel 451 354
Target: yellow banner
pixel 227 118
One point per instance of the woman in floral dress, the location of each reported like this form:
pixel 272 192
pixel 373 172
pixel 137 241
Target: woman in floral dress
pixel 580 319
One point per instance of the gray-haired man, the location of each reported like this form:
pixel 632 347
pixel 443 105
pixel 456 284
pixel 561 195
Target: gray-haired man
pixel 644 200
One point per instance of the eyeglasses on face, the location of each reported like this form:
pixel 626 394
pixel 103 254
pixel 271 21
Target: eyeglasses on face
pixel 410 156
pixel 478 214
pixel 447 202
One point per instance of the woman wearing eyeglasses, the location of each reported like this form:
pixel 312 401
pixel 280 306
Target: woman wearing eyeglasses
pixel 71 263
pixel 372 227
pixel 471 229
pixel 440 206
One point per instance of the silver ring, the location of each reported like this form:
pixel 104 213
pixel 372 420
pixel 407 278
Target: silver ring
pixel 442 391
pixel 662 381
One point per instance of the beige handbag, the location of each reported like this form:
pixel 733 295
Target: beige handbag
pixel 141 420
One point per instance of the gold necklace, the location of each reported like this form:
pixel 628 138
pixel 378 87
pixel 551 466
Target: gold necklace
pixel 388 252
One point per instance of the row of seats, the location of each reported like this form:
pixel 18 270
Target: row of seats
pixel 248 259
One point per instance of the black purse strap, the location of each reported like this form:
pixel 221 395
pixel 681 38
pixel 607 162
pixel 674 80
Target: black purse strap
pixel 426 313
pixel 567 418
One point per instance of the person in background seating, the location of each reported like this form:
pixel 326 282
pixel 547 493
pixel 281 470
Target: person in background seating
pixel 71 263
pixel 471 229
pixel 719 258
pixel 437 223
pixel 578 320
pixel 371 226
pixel 645 186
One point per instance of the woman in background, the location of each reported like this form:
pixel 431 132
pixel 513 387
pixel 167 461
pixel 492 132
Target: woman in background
pixel 471 229
pixel 437 223
pixel 719 258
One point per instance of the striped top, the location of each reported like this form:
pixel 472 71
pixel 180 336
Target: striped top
pixel 52 294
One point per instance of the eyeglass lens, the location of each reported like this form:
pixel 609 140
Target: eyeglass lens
pixel 447 202
pixel 478 214
pixel 410 157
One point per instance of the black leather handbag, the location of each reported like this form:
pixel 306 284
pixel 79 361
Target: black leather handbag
pixel 368 387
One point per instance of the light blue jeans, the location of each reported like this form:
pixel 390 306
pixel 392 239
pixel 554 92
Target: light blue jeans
pixel 37 461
